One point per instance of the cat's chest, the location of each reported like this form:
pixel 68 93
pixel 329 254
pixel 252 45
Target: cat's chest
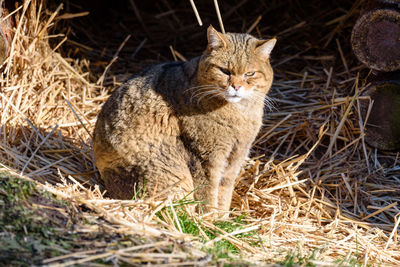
pixel 227 125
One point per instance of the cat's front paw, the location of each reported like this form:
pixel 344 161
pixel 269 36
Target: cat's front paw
pixel 212 213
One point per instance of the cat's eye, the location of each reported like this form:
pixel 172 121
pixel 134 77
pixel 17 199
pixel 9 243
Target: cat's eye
pixel 250 73
pixel 225 71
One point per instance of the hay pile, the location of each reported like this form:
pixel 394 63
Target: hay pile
pixel 311 187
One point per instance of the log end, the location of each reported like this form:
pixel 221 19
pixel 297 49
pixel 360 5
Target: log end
pixel 383 124
pixel 376 39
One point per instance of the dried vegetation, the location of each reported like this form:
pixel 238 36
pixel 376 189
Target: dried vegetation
pixel 312 192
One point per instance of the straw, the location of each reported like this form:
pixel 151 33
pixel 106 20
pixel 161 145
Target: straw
pixel 311 183
pixel 196 13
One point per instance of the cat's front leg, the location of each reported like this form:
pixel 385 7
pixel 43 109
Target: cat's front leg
pixel 225 189
pixel 207 191
pixel 227 182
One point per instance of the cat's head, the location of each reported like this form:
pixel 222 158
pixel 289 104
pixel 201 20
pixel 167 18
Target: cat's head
pixel 235 67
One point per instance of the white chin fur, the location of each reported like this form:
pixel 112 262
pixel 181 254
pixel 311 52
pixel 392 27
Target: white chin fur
pixel 233 99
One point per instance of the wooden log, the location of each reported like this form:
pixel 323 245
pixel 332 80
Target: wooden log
pixel 376 39
pixel 382 129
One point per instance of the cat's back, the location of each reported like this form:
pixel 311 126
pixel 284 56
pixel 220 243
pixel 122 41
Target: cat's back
pixel 139 113
pixel 142 103
pixel 134 97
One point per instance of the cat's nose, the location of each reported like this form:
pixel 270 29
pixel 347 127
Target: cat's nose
pixel 236 87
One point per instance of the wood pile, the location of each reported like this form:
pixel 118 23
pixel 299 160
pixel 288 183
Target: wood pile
pixel 376 43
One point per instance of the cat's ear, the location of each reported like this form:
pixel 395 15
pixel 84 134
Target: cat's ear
pixel 264 48
pixel 215 38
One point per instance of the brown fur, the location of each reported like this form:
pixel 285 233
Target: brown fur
pixel 180 125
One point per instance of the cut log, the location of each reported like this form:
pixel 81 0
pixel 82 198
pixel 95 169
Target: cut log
pixel 382 129
pixel 376 39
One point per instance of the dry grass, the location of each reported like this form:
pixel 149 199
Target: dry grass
pixel 311 187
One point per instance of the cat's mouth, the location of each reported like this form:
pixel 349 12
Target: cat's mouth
pixel 235 95
pixel 234 99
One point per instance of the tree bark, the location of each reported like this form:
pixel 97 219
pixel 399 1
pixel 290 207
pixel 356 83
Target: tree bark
pixel 382 129
pixel 376 39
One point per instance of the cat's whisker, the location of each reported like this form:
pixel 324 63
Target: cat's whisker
pixel 199 87
pixel 197 94
pixel 268 102
pixel 216 95
pixel 203 93
pixel 257 97
pixel 203 96
pixel 208 93
pixel 199 90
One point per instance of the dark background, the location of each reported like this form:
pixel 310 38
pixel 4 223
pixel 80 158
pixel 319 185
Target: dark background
pixel 306 30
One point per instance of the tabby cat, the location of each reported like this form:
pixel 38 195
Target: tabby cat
pixel 186 127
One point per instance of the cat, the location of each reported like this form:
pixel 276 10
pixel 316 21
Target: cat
pixel 185 128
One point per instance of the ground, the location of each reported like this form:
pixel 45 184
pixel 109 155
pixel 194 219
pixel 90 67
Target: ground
pixel 312 192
